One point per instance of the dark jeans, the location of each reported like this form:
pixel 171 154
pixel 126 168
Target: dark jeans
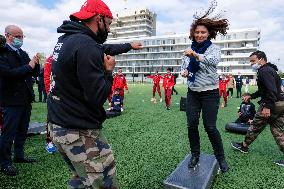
pixel 174 90
pixel 239 92
pixel 242 120
pixel 16 123
pixel 40 92
pixel 230 90
pixel 208 102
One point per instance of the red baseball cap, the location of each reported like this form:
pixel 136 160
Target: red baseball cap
pixel 91 8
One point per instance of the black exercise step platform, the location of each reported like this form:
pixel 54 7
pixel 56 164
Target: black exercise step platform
pixel 36 128
pixel 201 177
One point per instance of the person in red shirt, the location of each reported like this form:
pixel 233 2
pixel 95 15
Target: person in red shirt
pixel 223 81
pixel 50 147
pixel 168 83
pixel 156 86
pixel 46 74
pixel 119 82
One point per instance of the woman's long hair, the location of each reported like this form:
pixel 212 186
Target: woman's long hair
pixel 214 25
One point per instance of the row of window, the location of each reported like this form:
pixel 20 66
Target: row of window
pixel 148 70
pixel 138 63
pixel 239 35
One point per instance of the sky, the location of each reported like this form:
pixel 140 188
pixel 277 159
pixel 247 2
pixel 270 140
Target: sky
pixel 39 19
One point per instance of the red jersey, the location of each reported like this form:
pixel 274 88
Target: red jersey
pixel 223 84
pixel 168 81
pixel 156 78
pixel 47 74
pixel 119 81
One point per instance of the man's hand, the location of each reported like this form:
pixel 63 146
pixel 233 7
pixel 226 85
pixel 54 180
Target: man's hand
pixel 184 73
pixel 266 112
pixel 240 113
pixel 136 45
pixel 109 62
pixel 246 98
pixel 34 61
pixel 250 121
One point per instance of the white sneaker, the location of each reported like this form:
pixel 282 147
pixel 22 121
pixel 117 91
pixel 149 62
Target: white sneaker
pixel 161 100
pixel 152 99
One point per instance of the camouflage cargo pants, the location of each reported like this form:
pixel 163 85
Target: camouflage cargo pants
pixel 88 156
pixel 276 122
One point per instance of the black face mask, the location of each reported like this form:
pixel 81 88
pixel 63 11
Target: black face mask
pixel 102 33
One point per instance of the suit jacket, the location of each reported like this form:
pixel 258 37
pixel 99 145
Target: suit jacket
pixel 16 78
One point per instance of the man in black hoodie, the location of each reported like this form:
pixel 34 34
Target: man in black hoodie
pixel 81 82
pixel 271 110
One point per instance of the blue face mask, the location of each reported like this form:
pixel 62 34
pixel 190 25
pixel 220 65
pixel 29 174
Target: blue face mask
pixel 17 43
pixel 255 67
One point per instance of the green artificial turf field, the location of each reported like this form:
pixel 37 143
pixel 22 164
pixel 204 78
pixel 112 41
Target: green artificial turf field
pixel 149 142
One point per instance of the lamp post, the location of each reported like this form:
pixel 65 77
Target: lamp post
pixel 133 70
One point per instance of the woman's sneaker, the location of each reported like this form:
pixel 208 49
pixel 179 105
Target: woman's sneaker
pixel 50 148
pixel 193 162
pixel 224 167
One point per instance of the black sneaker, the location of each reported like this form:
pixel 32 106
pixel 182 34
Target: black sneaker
pixel 239 146
pixel 224 167
pixel 10 170
pixel 193 162
pixel 279 162
pixel 168 108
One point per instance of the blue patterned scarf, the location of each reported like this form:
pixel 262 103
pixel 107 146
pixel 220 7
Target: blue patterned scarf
pixel 193 65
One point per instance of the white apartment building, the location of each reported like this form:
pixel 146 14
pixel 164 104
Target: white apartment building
pixel 161 52
pixel 133 23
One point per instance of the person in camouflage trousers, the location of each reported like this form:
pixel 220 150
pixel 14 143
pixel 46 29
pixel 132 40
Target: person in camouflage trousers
pixel 276 122
pixel 88 155
pixel 81 80
pixel 271 110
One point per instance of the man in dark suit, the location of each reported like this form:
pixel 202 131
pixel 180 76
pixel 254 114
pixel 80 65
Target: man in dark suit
pixel 2 50
pixel 239 84
pixel 40 86
pixel 16 72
